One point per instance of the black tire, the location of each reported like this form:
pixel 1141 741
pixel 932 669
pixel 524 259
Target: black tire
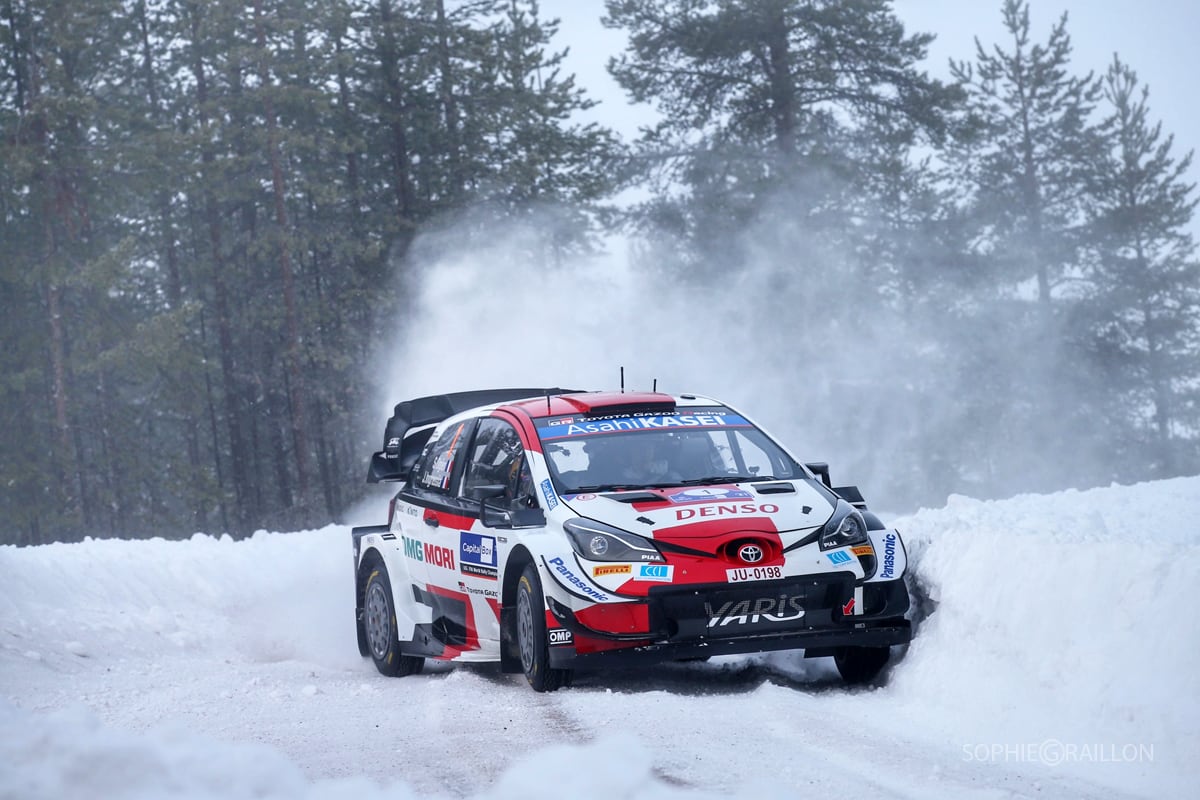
pixel 531 636
pixel 858 665
pixel 379 623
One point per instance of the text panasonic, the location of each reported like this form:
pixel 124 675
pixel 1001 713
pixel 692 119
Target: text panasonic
pixel 574 580
pixel 889 557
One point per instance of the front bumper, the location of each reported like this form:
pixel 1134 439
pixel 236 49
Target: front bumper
pixel 806 613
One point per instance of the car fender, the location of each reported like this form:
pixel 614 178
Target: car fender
pixel 388 549
pixel 563 578
pixel 891 555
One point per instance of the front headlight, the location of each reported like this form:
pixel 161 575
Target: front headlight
pixel 845 527
pixel 596 541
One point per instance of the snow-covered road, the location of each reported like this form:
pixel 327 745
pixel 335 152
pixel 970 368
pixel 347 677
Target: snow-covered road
pixel 1061 661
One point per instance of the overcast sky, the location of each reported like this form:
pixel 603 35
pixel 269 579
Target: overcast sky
pixel 1158 38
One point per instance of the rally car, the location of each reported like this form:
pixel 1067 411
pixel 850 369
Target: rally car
pixel 552 530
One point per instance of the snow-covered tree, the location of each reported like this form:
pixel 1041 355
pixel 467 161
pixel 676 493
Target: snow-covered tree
pixel 1145 308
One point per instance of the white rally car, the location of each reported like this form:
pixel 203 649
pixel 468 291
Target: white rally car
pixel 550 530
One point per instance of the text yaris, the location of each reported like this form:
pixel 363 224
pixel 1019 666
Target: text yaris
pixel 742 612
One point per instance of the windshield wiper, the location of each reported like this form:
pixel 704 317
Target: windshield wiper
pixel 603 487
pixel 726 479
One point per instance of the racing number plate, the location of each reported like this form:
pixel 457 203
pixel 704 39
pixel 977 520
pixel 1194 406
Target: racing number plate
pixel 753 574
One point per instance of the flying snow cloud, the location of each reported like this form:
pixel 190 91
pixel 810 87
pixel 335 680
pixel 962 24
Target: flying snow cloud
pixel 489 316
pixel 913 394
pixel 784 340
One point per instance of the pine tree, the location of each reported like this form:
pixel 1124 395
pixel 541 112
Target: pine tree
pixel 1021 159
pixel 1145 307
pixel 533 158
pixel 759 98
pixel 1028 152
pixel 207 209
pixel 60 142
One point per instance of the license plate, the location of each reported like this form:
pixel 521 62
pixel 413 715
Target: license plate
pixel 740 574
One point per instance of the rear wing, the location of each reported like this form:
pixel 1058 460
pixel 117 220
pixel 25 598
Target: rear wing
pixel 413 422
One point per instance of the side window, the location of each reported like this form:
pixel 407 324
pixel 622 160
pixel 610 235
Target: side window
pixel 743 455
pixel 726 457
pixel 756 459
pixel 436 467
pixel 526 495
pixel 497 458
pixel 760 460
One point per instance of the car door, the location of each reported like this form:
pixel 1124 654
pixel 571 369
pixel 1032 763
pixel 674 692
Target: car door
pixel 434 515
pixel 496 467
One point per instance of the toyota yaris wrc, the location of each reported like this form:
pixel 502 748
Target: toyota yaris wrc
pixel 552 530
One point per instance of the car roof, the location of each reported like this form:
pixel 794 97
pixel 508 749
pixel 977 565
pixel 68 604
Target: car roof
pixel 606 402
pixel 575 402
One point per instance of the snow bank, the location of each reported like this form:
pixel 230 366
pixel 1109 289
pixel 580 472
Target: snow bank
pixel 1062 635
pixel 1065 618
pixel 115 598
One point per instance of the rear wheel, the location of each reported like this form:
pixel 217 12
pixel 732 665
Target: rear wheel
pixel 531 636
pixel 861 664
pixel 379 623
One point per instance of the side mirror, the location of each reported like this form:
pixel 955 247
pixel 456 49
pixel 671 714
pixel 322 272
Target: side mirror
pixel 498 514
pixel 495 515
pixel 482 493
pixel 528 518
pixel 492 515
pixel 820 468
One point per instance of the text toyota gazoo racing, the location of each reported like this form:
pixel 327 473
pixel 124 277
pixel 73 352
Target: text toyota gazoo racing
pixel 551 530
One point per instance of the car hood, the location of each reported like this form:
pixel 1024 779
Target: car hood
pixel 713 511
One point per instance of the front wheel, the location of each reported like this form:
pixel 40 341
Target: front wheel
pixel 531 636
pixel 861 664
pixel 379 622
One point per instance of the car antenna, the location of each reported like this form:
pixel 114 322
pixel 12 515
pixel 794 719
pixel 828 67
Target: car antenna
pixel 547 402
pixel 622 380
pixel 654 385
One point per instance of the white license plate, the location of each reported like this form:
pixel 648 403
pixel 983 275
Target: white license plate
pixel 753 574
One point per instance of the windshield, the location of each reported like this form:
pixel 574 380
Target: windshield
pixel 695 446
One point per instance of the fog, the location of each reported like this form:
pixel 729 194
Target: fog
pixel 796 338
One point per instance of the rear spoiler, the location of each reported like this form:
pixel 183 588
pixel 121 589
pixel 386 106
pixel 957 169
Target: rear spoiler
pixel 413 421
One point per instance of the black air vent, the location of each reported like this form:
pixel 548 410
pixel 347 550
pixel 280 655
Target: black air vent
pixel 635 497
pixel 782 487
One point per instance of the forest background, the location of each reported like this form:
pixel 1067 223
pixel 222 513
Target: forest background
pixel 216 218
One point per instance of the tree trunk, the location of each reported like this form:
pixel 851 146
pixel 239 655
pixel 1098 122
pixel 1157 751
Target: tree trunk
pixel 449 108
pixel 237 447
pixel 783 88
pixel 53 211
pixel 389 59
pixel 167 237
pixel 296 393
